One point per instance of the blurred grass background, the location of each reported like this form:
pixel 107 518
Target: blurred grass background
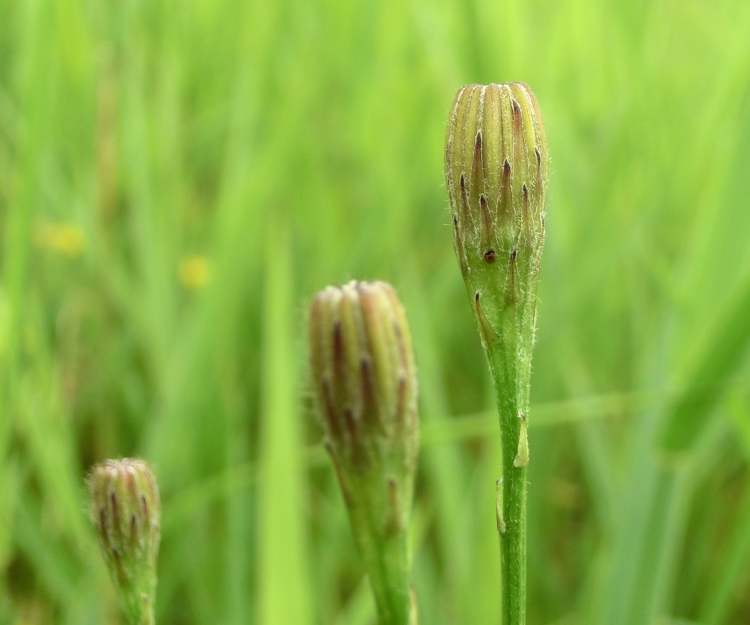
pixel 176 180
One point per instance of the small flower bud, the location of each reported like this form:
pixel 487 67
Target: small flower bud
pixel 125 510
pixel 365 382
pixel 496 170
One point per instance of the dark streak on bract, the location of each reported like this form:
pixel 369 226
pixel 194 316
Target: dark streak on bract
pixel 365 372
pixel 330 409
pixel 115 515
pixel 338 345
pixel 351 424
pixel 401 398
pixel 516 114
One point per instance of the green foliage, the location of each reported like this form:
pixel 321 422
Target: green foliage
pixel 175 184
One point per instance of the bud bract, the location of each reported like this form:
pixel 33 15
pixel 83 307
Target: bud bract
pixel 125 510
pixel 365 383
pixel 496 170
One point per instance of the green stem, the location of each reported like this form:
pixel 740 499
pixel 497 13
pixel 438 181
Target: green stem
pixel 391 586
pixel 391 589
pixel 413 613
pixel 511 378
pixel 139 606
pixel 145 616
pixel 513 547
pixel 385 554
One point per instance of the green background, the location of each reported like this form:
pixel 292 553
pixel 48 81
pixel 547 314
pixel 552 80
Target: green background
pixel 293 144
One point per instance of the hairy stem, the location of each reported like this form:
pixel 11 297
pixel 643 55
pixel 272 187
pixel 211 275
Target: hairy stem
pixel 388 568
pixel 511 381
pixel 142 612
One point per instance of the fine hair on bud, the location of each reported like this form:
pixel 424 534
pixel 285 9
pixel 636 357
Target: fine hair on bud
pixel 365 384
pixel 496 172
pixel 125 511
pixel 363 369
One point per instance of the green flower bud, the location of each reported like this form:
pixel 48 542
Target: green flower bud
pixel 365 382
pixel 496 170
pixel 125 510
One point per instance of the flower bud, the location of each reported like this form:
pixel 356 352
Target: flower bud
pixel 496 170
pixel 365 382
pixel 125 510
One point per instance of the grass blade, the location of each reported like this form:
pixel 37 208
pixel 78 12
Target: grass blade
pixel 282 593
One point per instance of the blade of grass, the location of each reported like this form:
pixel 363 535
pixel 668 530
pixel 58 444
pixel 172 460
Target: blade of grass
pixel 282 565
pixel 718 600
pixel 724 347
pixel 16 241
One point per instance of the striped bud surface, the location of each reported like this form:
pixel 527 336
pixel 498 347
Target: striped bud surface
pixel 365 385
pixel 496 170
pixel 125 511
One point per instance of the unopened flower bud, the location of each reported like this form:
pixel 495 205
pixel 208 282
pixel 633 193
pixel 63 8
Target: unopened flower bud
pixel 496 170
pixel 125 510
pixel 365 382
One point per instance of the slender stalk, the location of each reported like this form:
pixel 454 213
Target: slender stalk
pixel 365 380
pixel 512 389
pixel 145 615
pixel 513 546
pixel 386 560
pixel 496 170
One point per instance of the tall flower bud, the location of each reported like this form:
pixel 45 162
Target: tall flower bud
pixel 496 170
pixel 125 510
pixel 365 382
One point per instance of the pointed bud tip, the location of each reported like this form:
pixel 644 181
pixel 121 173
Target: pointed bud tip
pixel 125 511
pixel 362 363
pixel 496 172
pixel 496 167
pixel 365 384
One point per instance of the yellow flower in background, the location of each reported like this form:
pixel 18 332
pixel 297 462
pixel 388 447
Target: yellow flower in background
pixel 194 272
pixel 63 238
